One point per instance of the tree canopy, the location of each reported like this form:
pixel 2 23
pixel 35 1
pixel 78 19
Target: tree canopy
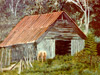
pixel 85 14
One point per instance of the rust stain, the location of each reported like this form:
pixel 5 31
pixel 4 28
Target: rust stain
pixel 30 28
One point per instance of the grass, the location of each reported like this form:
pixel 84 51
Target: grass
pixel 60 65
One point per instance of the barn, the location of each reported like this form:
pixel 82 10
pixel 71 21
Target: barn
pixel 55 32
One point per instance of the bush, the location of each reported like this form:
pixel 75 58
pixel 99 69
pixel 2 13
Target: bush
pixel 90 47
pixel 61 65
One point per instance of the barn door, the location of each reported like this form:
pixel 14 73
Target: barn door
pixel 62 47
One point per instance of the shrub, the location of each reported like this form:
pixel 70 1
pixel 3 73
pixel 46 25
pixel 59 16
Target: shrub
pixel 90 47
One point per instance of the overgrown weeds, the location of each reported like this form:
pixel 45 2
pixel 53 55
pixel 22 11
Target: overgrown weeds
pixel 61 65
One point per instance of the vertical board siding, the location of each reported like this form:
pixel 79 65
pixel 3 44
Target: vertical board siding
pixel 21 51
pixel 47 45
pixel 4 57
pixel 76 46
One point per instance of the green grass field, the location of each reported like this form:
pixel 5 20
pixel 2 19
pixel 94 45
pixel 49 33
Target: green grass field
pixel 60 65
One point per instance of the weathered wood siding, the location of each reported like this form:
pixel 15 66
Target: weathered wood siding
pixel 61 30
pixel 20 51
pixel 47 45
pixel 5 57
pixel 76 46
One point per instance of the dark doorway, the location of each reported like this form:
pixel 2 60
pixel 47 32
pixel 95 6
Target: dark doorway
pixel 63 47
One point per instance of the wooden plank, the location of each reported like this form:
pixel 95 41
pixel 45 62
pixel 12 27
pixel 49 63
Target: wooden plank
pixel 1 62
pixel 62 38
pixel 76 29
pixel 61 34
pixel 9 59
pixel 57 37
pixel 77 37
pixel 6 56
pixel 59 21
pixel 76 47
pixel 62 26
pixel 41 38
pixel 61 30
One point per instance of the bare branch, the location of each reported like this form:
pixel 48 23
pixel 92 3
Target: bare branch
pixel 78 4
pixel 81 22
pixel 85 10
pixel 88 15
pixel 16 6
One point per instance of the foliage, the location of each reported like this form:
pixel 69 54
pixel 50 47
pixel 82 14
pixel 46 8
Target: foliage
pixel 90 45
pixel 31 7
pixel 96 19
pixel 60 65
pixel 88 55
pixel 27 7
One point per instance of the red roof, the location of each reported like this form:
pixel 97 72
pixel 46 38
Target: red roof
pixel 30 28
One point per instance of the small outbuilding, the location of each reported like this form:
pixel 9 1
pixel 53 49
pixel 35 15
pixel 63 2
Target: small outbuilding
pixel 56 33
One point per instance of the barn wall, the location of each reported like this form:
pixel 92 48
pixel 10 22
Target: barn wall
pixel 24 50
pixel 61 30
pixel 5 57
pixel 47 45
pixel 76 46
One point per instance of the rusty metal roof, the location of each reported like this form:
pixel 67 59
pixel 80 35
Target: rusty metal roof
pixel 30 28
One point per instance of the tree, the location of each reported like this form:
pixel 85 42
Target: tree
pixel 85 7
pixel 13 6
pixel 90 46
pixel 46 6
pixel 95 23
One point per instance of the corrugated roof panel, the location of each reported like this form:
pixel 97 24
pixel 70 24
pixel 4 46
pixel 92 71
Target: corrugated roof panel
pixel 30 28
pixel 38 25
pixel 19 31
pixel 51 20
pixel 11 34
pixel 22 34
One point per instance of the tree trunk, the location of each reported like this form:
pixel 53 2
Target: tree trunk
pixel 16 7
pixel 91 60
pixel 85 8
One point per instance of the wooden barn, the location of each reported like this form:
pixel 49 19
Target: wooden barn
pixel 55 33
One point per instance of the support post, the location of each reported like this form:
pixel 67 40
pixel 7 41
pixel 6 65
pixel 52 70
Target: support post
pixel 9 57
pixel 5 56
